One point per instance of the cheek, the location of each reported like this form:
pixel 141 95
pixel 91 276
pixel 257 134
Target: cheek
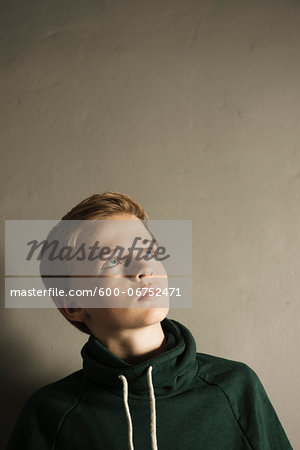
pixel 117 281
pixel 157 268
pixel 104 317
pixel 116 318
pixel 114 288
pixel 161 267
pixel 160 275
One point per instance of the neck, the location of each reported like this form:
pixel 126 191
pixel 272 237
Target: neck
pixel 135 345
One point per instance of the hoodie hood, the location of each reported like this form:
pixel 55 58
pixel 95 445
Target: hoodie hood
pixel 173 371
pixel 167 374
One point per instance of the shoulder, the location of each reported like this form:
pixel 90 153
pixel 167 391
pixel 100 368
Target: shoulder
pixel 235 380
pixel 59 395
pixel 44 411
pixel 215 369
pixel 238 381
pixel 248 400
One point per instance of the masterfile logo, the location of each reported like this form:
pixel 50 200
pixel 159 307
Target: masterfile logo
pixel 97 262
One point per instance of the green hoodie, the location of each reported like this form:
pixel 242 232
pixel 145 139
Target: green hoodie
pixel 178 400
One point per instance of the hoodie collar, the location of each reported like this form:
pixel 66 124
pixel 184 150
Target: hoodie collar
pixel 173 371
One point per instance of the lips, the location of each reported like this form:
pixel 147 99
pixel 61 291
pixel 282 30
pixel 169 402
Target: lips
pixel 145 297
pixel 148 295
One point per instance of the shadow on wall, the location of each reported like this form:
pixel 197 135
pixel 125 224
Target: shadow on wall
pixel 14 391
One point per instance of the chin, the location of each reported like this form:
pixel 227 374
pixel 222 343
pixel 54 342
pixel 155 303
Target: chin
pixel 150 316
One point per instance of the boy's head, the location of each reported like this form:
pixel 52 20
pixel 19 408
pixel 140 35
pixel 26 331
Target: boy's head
pixel 121 219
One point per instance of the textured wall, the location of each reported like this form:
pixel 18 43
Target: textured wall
pixel 192 107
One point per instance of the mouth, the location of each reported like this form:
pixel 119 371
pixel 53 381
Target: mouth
pixel 147 296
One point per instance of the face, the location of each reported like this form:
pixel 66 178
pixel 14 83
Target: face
pixel 128 310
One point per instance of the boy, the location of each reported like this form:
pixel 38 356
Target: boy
pixel 143 385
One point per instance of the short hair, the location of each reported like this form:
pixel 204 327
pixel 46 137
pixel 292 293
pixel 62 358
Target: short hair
pixel 95 207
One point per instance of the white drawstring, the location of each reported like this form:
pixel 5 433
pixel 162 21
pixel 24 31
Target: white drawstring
pixel 152 410
pixel 125 399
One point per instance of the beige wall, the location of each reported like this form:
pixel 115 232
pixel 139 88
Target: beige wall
pixel 192 107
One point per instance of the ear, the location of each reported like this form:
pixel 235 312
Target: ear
pixel 71 311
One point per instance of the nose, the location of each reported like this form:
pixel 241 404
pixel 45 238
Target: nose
pixel 144 274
